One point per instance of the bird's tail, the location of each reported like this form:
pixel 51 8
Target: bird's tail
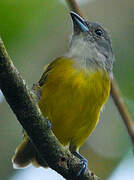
pixel 26 154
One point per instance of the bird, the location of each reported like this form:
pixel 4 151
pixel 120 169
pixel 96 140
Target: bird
pixel 73 90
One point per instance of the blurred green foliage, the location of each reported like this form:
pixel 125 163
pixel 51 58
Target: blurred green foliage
pixel 16 15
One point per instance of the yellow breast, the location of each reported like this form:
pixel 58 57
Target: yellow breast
pixel 72 99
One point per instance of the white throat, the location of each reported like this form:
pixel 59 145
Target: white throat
pixel 85 53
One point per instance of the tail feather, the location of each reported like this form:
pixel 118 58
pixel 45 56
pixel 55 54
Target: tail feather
pixel 26 154
pixel 23 154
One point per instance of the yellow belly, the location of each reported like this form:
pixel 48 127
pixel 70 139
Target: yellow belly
pixel 72 100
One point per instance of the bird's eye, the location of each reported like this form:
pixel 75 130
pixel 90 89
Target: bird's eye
pixel 99 32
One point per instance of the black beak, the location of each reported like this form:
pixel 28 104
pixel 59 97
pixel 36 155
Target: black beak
pixel 79 23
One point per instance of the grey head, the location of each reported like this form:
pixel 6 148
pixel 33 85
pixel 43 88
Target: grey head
pixel 90 44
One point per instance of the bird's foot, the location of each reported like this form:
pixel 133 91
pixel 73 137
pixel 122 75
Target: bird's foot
pixel 48 123
pixel 84 163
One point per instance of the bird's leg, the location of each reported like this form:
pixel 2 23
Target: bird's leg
pixel 84 161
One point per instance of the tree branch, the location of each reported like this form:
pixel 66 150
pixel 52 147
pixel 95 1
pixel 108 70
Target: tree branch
pixel 74 7
pixel 28 114
pixel 118 100
pixel 115 93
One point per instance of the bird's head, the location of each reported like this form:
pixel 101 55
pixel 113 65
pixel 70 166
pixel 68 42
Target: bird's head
pixel 91 42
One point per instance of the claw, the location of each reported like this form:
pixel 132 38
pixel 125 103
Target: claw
pixel 84 167
pixel 48 123
pixel 84 163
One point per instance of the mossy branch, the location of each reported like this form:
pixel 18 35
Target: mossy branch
pixel 21 101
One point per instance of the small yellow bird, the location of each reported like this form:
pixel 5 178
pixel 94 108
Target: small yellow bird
pixel 73 90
